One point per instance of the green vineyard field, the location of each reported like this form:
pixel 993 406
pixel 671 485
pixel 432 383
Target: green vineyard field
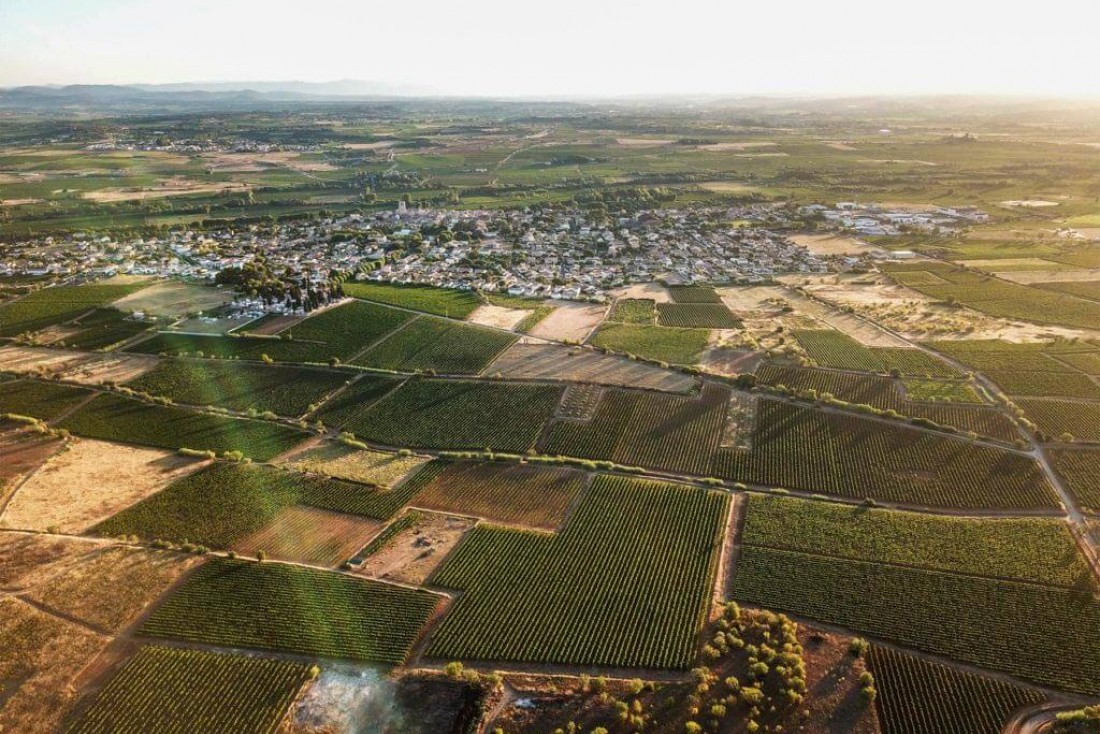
pixel 437 345
pixel 42 400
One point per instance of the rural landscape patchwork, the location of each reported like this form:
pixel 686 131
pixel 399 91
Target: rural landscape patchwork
pixel 328 414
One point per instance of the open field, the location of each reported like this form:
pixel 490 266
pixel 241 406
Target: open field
pixel 27 556
pixel 356 465
pixel 648 550
pixel 511 494
pixel 557 362
pixel 570 322
pixel 163 189
pixel 830 244
pixel 175 691
pixel 174 298
pixel 308 535
pixel 22 451
pixel 498 317
pixel 85 368
pixel 272 606
pixel 411 548
pixel 89 481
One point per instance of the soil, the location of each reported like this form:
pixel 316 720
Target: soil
pixel 729 362
pixel 413 554
pixel 502 318
pixel 1030 204
pixel 570 321
pixel 1027 277
pixel 736 146
pixel 166 188
pixel 23 555
pixel 21 452
pixel 642 142
pixel 652 291
pixel 277 324
pixel 832 244
pixel 172 298
pixel 88 482
pixel 113 367
pixel 31 359
pixel 558 362
pixel 308 535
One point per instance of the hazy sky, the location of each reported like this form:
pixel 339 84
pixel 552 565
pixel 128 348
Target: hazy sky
pixel 565 47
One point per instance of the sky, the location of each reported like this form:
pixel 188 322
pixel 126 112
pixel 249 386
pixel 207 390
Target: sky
pixel 565 47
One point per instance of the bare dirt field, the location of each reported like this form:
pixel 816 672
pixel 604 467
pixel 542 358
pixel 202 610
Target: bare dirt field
pixel 27 555
pixel 308 535
pixel 642 142
pixel 737 146
pixel 1028 277
pixel 1029 204
pixel 40 655
pixel 166 188
pixel 111 586
pixel 115 367
pixel 1011 264
pixel 570 321
pixel 21 452
pixel 253 162
pixel 19 202
pixel 729 362
pixel 24 360
pixel 895 161
pixel 502 318
pixel 653 291
pixel 173 298
pixel 357 465
pixel 726 187
pixel 89 481
pixel 558 362
pixel 833 244
pixel 377 145
pixel 864 332
pixel 413 554
pixel 840 146
pixel 753 298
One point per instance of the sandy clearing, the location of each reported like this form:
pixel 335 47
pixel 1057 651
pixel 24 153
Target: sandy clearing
pixel 21 452
pixel 752 298
pixel 173 298
pixel 167 188
pixel 729 362
pixel 570 321
pixel 892 161
pixel 762 155
pixel 309 535
pixel 653 291
pixel 412 555
pixel 726 187
pixel 737 146
pixel 89 481
pixel 23 360
pixel 833 244
pixel 642 142
pixel 1029 203
pixel 498 316
pixel 24 557
pixel 377 145
pixel 113 367
pixel 558 362
pixel 10 178
pixel 864 332
pixel 840 146
pixel 19 202
pixel 1089 233
pixel 1028 277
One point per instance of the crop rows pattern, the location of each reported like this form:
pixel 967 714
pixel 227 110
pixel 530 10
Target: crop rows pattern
pixel 633 311
pixel 697 315
pixel 274 606
pixel 693 294
pixel 1081 471
pixel 51 306
pixel 625 584
pixel 1055 417
pixel 438 345
pixel 42 400
pixel 456 304
pixel 173 691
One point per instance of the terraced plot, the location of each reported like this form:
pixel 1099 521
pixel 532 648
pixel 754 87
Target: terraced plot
pixel 513 494
pixel 458 414
pixel 625 584
pixel 287 391
pixel 439 346
pixel 173 691
pixel 273 606
pixel 114 418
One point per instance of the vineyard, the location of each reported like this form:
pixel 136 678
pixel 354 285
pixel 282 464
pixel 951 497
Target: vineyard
pixel 885 393
pixel 694 294
pixel 1039 550
pixel 173 691
pixel 284 390
pixel 625 584
pixel 311 536
pixel 439 301
pixel 1048 369
pixel 42 400
pixel 917 696
pixel 438 345
pixel 514 494
pixel 829 348
pixel 114 418
pixel 459 414
pixel 909 361
pixel 697 315
pixel 348 403
pixel 633 311
pixel 273 606
pixel 51 306
pixel 655 430
pixel 105 328
pixel 356 465
pixel 675 346
pixel 1039 633
pixel 1055 417
pixel 850 456
pixel 1081 472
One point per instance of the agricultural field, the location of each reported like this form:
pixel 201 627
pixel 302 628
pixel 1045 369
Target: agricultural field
pixel 829 348
pixel 289 391
pixel 910 606
pixel 104 328
pixel 174 299
pixel 454 304
pixel 940 391
pixel 917 696
pixel 647 550
pixel 654 430
pixel 311 536
pixel 175 691
pixel 458 414
pixel 346 404
pixel 697 315
pixel 22 451
pixel 438 346
pixel 1080 470
pixel 412 547
pixel 1055 418
pixel 509 494
pixel 43 400
pixel 1037 550
pixel 111 417
pixel 224 503
pixel 577 364
pixel 633 311
pixel 694 294
pixel 356 465
pixel 273 606
pixel 88 481
pixel 50 306
pixel 857 458
pixel 665 344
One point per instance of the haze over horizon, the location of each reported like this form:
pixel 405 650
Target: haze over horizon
pixel 494 48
